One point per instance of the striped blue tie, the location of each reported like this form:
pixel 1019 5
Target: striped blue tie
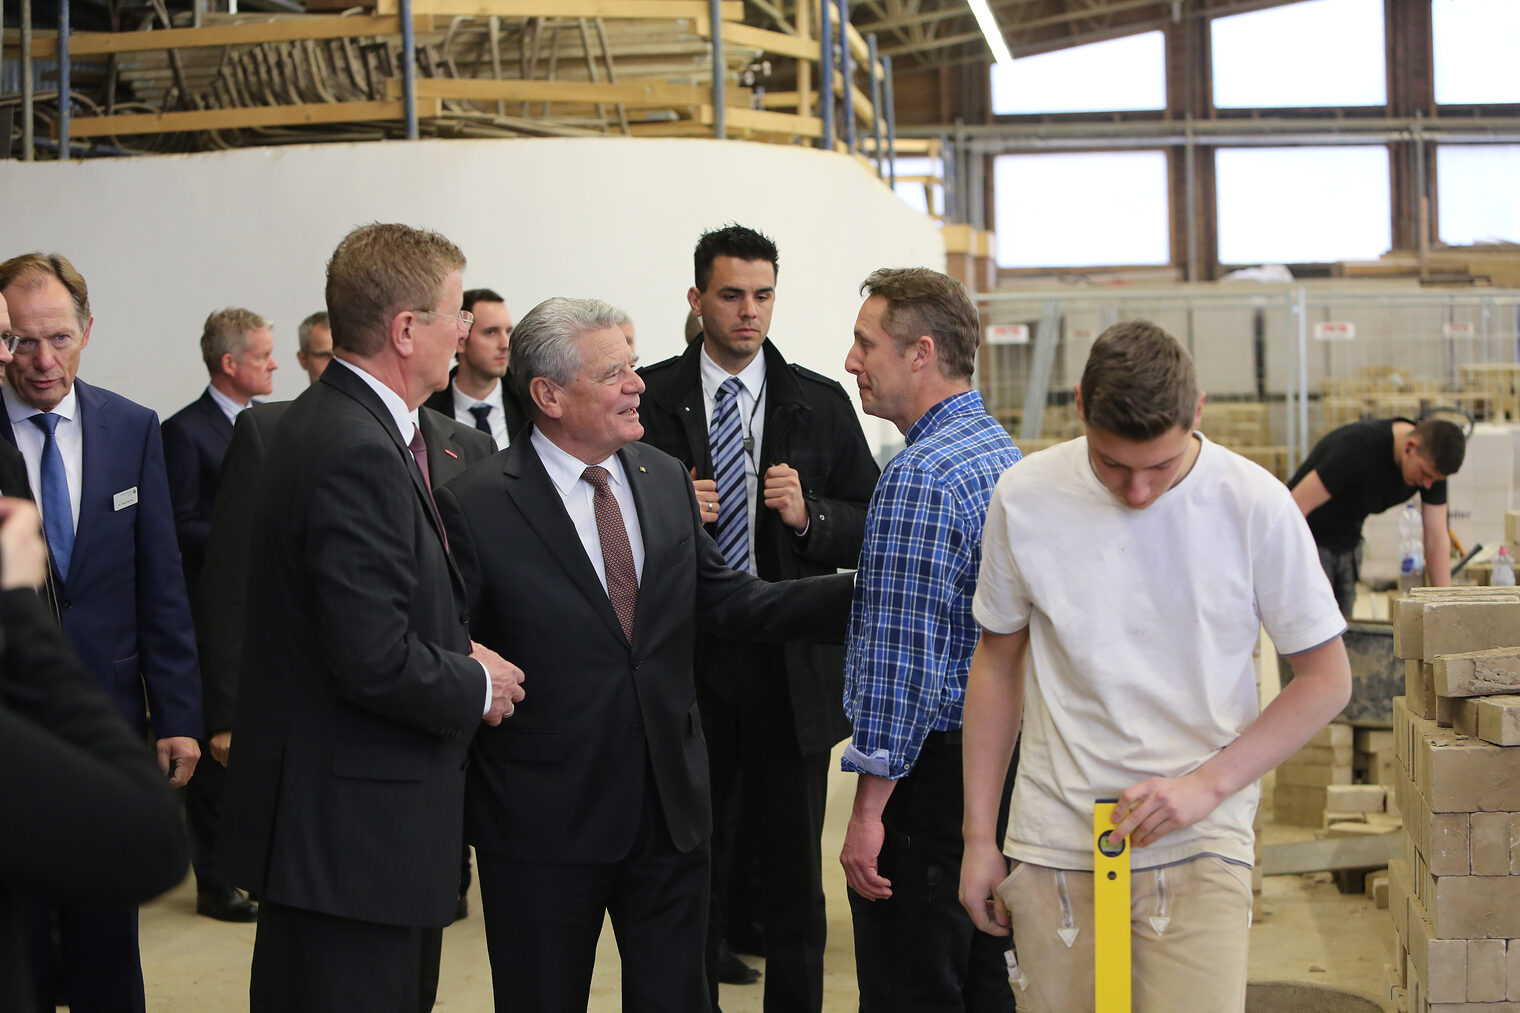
pixel 57 509
pixel 726 439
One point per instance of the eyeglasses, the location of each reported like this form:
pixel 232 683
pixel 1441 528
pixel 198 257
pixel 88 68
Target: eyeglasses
pixel 17 345
pixel 464 318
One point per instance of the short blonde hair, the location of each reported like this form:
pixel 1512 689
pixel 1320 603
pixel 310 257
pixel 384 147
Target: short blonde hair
pixel 227 331
pixel 50 265
pixel 379 270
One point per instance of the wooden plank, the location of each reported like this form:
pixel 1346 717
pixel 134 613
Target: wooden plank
pixel 1327 856
pixel 632 9
pixel 285 30
pixel 779 43
pixel 761 121
pixel 231 119
pixel 678 128
pixel 635 93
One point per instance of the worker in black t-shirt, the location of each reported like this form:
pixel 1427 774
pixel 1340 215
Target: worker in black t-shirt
pixel 1365 468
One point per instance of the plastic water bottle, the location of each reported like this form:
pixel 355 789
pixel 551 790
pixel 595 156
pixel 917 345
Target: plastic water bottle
pixel 1504 569
pixel 1411 542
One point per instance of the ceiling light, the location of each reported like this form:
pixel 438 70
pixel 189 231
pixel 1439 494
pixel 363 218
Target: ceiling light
pixel 988 25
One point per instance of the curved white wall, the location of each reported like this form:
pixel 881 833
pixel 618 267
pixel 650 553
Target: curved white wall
pixel 163 241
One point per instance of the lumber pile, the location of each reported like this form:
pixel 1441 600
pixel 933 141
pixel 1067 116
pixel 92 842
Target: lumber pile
pixel 1455 894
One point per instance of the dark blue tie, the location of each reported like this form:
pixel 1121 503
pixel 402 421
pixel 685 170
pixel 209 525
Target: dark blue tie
pixel 482 413
pixel 57 514
pixel 726 441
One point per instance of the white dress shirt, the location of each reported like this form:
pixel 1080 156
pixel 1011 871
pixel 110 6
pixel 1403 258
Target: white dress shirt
pixel 751 423
pixel 406 424
pixel 498 417
pixel 565 473
pixel 229 407
pixel 70 437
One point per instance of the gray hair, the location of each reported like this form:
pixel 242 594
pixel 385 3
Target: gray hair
pixel 303 332
pixel 227 331
pixel 546 341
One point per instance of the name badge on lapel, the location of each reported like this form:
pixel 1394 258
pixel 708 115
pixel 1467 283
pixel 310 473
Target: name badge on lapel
pixel 124 499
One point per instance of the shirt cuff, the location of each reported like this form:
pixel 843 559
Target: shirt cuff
pixel 485 672
pixel 878 764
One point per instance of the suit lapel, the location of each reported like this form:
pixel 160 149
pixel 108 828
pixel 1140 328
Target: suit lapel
pixel 215 418
pixel 529 487
pixel 95 432
pixel 663 521
pixel 445 459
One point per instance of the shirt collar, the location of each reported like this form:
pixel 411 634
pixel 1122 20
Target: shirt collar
pixel 404 417
pixel 226 403
pixel 565 469
pixel 470 402
pixel 19 411
pixel 965 403
pixel 713 375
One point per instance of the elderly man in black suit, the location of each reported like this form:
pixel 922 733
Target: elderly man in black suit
pixel 237 346
pixel 586 563
pixel 362 688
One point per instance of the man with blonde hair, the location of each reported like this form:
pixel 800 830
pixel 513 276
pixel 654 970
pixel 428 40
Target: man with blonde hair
pixel 361 688
pixel 237 346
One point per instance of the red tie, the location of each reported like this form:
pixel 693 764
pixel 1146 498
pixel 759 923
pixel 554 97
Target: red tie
pixel 419 454
pixel 617 557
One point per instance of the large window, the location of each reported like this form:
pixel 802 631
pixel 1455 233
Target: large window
pixel 1121 74
pixel 1475 43
pixel 1316 53
pixel 1302 205
pixel 1081 210
pixel 1478 192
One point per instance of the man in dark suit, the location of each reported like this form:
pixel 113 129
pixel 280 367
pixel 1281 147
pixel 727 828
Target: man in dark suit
pixel 586 563
pixel 801 484
pixel 95 461
pixel 13 480
pixel 480 392
pixel 362 688
pixel 237 347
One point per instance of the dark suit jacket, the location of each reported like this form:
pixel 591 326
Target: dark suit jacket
pixel 124 607
pixel 94 823
pixel 810 425
pixel 13 477
pixel 563 779
pixel 346 785
pixel 517 416
pixel 195 441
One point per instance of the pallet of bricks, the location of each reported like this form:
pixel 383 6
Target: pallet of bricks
pixel 1455 894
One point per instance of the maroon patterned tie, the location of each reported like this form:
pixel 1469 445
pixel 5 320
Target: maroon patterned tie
pixel 419 454
pixel 617 557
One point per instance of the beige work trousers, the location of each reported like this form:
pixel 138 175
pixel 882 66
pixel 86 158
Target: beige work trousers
pixel 1189 926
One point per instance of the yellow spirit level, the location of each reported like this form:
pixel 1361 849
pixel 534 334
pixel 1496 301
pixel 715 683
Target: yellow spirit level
pixel 1111 932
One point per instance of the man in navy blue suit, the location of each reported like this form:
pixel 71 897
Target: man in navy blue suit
pixel 237 346
pixel 95 464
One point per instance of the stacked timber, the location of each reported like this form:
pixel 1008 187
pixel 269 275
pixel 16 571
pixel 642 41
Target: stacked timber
pixel 1455 895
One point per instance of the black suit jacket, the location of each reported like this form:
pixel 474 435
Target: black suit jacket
pixel 563 779
pixel 810 425
pixel 517 417
pixel 452 447
pixel 195 442
pixel 346 784
pixel 93 822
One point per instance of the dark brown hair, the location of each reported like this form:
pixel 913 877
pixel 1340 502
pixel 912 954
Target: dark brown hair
pixel 1139 382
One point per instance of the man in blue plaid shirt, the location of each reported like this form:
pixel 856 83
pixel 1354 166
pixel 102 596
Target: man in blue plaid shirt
pixel 910 643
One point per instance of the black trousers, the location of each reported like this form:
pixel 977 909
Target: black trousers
pixel 918 951
pixel 756 765
pixel 95 954
pixel 203 817
pixel 543 921
pixel 306 962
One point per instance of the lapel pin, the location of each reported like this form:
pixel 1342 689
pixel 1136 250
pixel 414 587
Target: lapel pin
pixel 643 469
pixel 455 456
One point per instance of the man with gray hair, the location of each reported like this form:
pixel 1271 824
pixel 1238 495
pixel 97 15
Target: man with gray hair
pixel 585 561
pixel 314 346
pixel 237 346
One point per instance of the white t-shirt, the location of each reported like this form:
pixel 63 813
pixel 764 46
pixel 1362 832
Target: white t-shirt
pixel 1141 627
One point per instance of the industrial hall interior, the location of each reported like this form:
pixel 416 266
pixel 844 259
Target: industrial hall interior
pixel 735 505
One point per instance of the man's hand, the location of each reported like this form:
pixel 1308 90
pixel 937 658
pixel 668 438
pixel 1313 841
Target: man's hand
pixel 220 745
pixel 177 757
pixel 506 683
pixel 1152 809
pixel 863 839
pixel 23 554
pixel 783 494
pixel 983 867
pixel 707 497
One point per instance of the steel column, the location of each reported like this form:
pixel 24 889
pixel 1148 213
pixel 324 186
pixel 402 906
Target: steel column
pixel 65 85
pixel 715 19
pixel 408 69
pixel 886 76
pixel 826 72
pixel 846 71
pixel 876 111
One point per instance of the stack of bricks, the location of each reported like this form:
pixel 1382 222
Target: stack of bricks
pixel 1455 895
pixel 1314 786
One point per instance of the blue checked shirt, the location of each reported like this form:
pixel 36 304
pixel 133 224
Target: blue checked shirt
pixel 911 630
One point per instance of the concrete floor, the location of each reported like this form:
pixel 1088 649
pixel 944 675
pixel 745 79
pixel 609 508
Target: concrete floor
pixel 1311 934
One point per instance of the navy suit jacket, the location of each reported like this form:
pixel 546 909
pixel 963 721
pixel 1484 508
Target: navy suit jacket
pixel 195 442
pixel 124 607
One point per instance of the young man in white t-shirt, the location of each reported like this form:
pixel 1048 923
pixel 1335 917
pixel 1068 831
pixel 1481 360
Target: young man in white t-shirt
pixel 1130 572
